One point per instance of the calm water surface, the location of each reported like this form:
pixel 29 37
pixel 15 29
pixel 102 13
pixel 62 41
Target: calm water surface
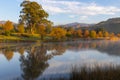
pixel 27 61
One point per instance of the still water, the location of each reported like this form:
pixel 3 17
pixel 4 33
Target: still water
pixel 33 61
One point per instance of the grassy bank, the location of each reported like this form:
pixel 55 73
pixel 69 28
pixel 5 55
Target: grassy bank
pixel 25 37
pixel 19 38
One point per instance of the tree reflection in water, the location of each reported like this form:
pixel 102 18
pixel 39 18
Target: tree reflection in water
pixel 34 64
pixel 8 53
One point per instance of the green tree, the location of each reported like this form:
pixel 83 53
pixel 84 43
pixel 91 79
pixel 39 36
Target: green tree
pixel 49 28
pixel 41 30
pixel 21 28
pixel 32 14
pixel 70 32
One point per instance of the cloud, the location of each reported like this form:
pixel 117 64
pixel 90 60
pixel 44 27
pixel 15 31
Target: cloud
pixel 77 8
pixel 72 16
pixel 83 17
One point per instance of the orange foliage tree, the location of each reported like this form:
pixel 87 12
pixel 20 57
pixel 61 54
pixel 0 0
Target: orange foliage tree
pixel 86 33
pixel 58 33
pixel 100 34
pixel 7 27
pixel 106 34
pixel 77 33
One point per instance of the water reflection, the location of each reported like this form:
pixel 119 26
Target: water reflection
pixel 34 63
pixel 8 54
pixel 37 60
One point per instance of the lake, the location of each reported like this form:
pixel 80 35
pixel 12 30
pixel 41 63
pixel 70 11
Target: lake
pixel 34 61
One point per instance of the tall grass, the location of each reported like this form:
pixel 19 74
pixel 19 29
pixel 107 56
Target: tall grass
pixel 95 73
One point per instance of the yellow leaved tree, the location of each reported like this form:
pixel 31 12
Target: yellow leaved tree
pixel 58 33
pixel 7 27
pixel 41 30
pixel 21 28
pixel 93 34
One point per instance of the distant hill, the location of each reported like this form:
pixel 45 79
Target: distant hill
pixel 2 22
pixel 76 25
pixel 111 25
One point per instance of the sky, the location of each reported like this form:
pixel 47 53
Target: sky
pixel 66 11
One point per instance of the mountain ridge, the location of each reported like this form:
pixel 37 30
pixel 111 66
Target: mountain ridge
pixel 111 25
pixel 76 25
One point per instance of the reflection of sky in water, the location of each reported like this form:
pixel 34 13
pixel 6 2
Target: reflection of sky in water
pixel 63 63
pixel 10 69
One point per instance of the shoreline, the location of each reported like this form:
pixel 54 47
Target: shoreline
pixel 28 40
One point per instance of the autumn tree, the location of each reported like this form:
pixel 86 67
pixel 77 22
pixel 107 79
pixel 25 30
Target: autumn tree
pixel 112 35
pixel 118 34
pixel 93 34
pixel 32 14
pixel 106 34
pixel 41 30
pixel 48 24
pixel 86 33
pixel 74 34
pixel 77 33
pixel 7 27
pixel 21 28
pixel 58 33
pixel 100 34
pixel 70 32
